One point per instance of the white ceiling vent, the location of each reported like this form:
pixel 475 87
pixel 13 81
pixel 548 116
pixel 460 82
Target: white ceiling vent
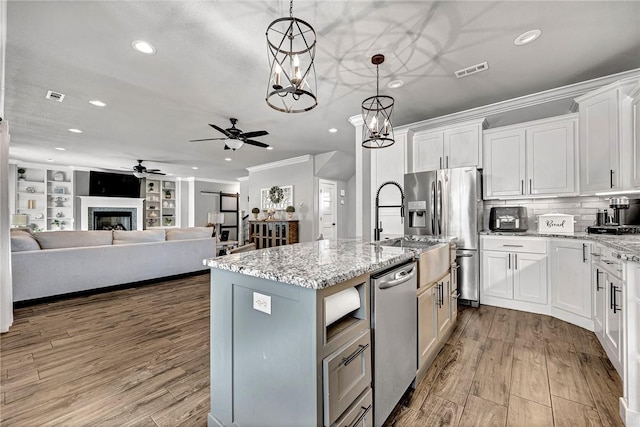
pixel 472 70
pixel 55 96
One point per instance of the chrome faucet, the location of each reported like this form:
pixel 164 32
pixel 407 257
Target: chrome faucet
pixel 378 229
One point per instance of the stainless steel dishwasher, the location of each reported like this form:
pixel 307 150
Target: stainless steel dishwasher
pixel 394 320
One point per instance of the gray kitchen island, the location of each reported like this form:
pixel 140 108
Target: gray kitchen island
pixel 278 355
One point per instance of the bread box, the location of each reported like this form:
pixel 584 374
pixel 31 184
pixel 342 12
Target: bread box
pixel 555 223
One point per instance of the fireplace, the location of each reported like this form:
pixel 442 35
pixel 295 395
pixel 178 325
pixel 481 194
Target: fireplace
pixel 111 213
pixel 112 220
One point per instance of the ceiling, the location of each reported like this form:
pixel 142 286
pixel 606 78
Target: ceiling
pixel 211 64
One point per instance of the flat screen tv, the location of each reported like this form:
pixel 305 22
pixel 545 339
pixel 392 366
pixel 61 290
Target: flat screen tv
pixel 107 184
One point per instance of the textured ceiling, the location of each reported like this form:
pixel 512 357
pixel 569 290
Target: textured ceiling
pixel 211 64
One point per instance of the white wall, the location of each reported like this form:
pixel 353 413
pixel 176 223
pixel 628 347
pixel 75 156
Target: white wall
pixel 6 285
pixel 300 176
pixel 350 201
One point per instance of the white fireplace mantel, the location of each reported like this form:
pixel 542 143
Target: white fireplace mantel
pixel 87 202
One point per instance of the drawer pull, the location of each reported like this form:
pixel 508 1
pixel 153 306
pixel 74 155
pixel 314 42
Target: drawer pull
pixel 364 414
pixel 592 254
pixel 347 360
pixel 513 246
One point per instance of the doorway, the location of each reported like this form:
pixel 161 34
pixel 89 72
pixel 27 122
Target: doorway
pixel 328 209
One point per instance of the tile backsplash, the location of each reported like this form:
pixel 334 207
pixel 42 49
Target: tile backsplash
pixel 583 208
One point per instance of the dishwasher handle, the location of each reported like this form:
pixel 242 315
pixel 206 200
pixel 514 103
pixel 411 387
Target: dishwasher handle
pixel 398 279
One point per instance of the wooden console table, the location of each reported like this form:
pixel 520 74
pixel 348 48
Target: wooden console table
pixel 267 234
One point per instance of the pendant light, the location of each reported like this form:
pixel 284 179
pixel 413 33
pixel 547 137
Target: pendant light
pixel 376 113
pixel 291 48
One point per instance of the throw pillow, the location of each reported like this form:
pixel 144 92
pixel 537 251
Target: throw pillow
pixel 73 239
pixel 146 236
pixel 189 233
pixel 23 242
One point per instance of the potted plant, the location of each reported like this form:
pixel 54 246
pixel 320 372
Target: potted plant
pixel 58 224
pixel 255 212
pixel 21 172
pixel 167 193
pixel 290 210
pixel 168 220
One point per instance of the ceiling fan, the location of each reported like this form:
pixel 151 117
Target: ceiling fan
pixel 140 171
pixel 234 137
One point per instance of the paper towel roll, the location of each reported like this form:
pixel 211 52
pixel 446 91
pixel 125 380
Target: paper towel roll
pixel 337 305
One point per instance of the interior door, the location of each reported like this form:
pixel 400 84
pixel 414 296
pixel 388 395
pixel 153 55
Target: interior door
pixel 328 210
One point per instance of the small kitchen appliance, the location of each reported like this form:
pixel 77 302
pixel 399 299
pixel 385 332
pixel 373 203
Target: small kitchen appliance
pixel 508 218
pixel 625 218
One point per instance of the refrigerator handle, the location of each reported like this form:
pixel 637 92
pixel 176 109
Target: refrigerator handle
pixel 433 208
pixel 439 194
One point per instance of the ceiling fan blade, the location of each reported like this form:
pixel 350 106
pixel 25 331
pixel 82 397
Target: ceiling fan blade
pixel 256 143
pixel 207 139
pixel 153 170
pixel 155 173
pixel 255 134
pixel 219 129
pixel 226 147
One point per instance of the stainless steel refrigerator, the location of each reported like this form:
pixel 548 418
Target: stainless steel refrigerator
pixel 448 202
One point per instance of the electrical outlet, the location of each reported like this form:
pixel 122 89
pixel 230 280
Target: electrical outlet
pixel 262 303
pixel 342 193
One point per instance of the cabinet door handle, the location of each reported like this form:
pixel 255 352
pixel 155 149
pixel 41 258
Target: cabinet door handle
pixel 514 246
pixel 515 261
pixel 357 421
pixel 522 186
pixel 446 160
pixel 530 186
pixel 611 297
pixel 598 273
pixel 440 162
pixel 611 177
pixel 584 253
pixel 349 359
pixel 615 302
pixel 509 268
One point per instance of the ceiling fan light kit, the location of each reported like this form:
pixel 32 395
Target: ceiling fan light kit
pixel 376 113
pixel 291 48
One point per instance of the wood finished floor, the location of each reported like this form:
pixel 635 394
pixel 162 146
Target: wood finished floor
pixel 140 357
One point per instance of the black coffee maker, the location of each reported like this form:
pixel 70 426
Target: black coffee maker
pixel 620 206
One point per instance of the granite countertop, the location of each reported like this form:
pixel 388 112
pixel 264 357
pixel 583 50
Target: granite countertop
pixel 628 245
pixel 314 265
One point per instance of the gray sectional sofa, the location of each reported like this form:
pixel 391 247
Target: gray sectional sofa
pixel 55 263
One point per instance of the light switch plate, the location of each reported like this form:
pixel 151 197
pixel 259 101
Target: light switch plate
pixel 262 303
pixel 342 202
pixel 342 193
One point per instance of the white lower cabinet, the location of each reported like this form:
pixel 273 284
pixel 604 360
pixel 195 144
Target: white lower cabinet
pixel 515 275
pixel 599 298
pixel 613 318
pixel 571 278
pixel 427 324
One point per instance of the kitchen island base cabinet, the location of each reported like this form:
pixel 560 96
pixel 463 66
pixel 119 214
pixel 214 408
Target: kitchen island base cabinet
pixel 273 361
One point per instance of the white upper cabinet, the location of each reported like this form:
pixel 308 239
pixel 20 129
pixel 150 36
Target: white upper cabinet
pixel 455 146
pixel 599 145
pixel 504 161
pixel 428 149
pixel 550 158
pixel 531 159
pixel 635 139
pixel 462 146
pixel 609 160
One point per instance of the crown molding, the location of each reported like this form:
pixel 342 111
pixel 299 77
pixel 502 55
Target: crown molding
pixel 243 178
pixel 356 120
pixel 280 163
pixel 215 181
pixel 570 91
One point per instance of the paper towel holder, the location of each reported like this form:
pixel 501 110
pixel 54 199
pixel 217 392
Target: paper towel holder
pixel 350 321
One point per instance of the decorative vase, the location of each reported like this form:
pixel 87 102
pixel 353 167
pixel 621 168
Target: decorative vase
pixel 255 216
pixel 290 215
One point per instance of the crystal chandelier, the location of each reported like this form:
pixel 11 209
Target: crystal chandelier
pixel 291 48
pixel 376 113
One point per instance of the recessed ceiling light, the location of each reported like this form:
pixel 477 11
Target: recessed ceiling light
pixel 194 168
pixel 333 130
pixel 97 103
pixel 269 148
pixel 75 130
pixel 169 174
pixel 527 37
pixel 143 46
pixel 49 160
pixel 394 84
pixel 228 159
pixel 61 149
